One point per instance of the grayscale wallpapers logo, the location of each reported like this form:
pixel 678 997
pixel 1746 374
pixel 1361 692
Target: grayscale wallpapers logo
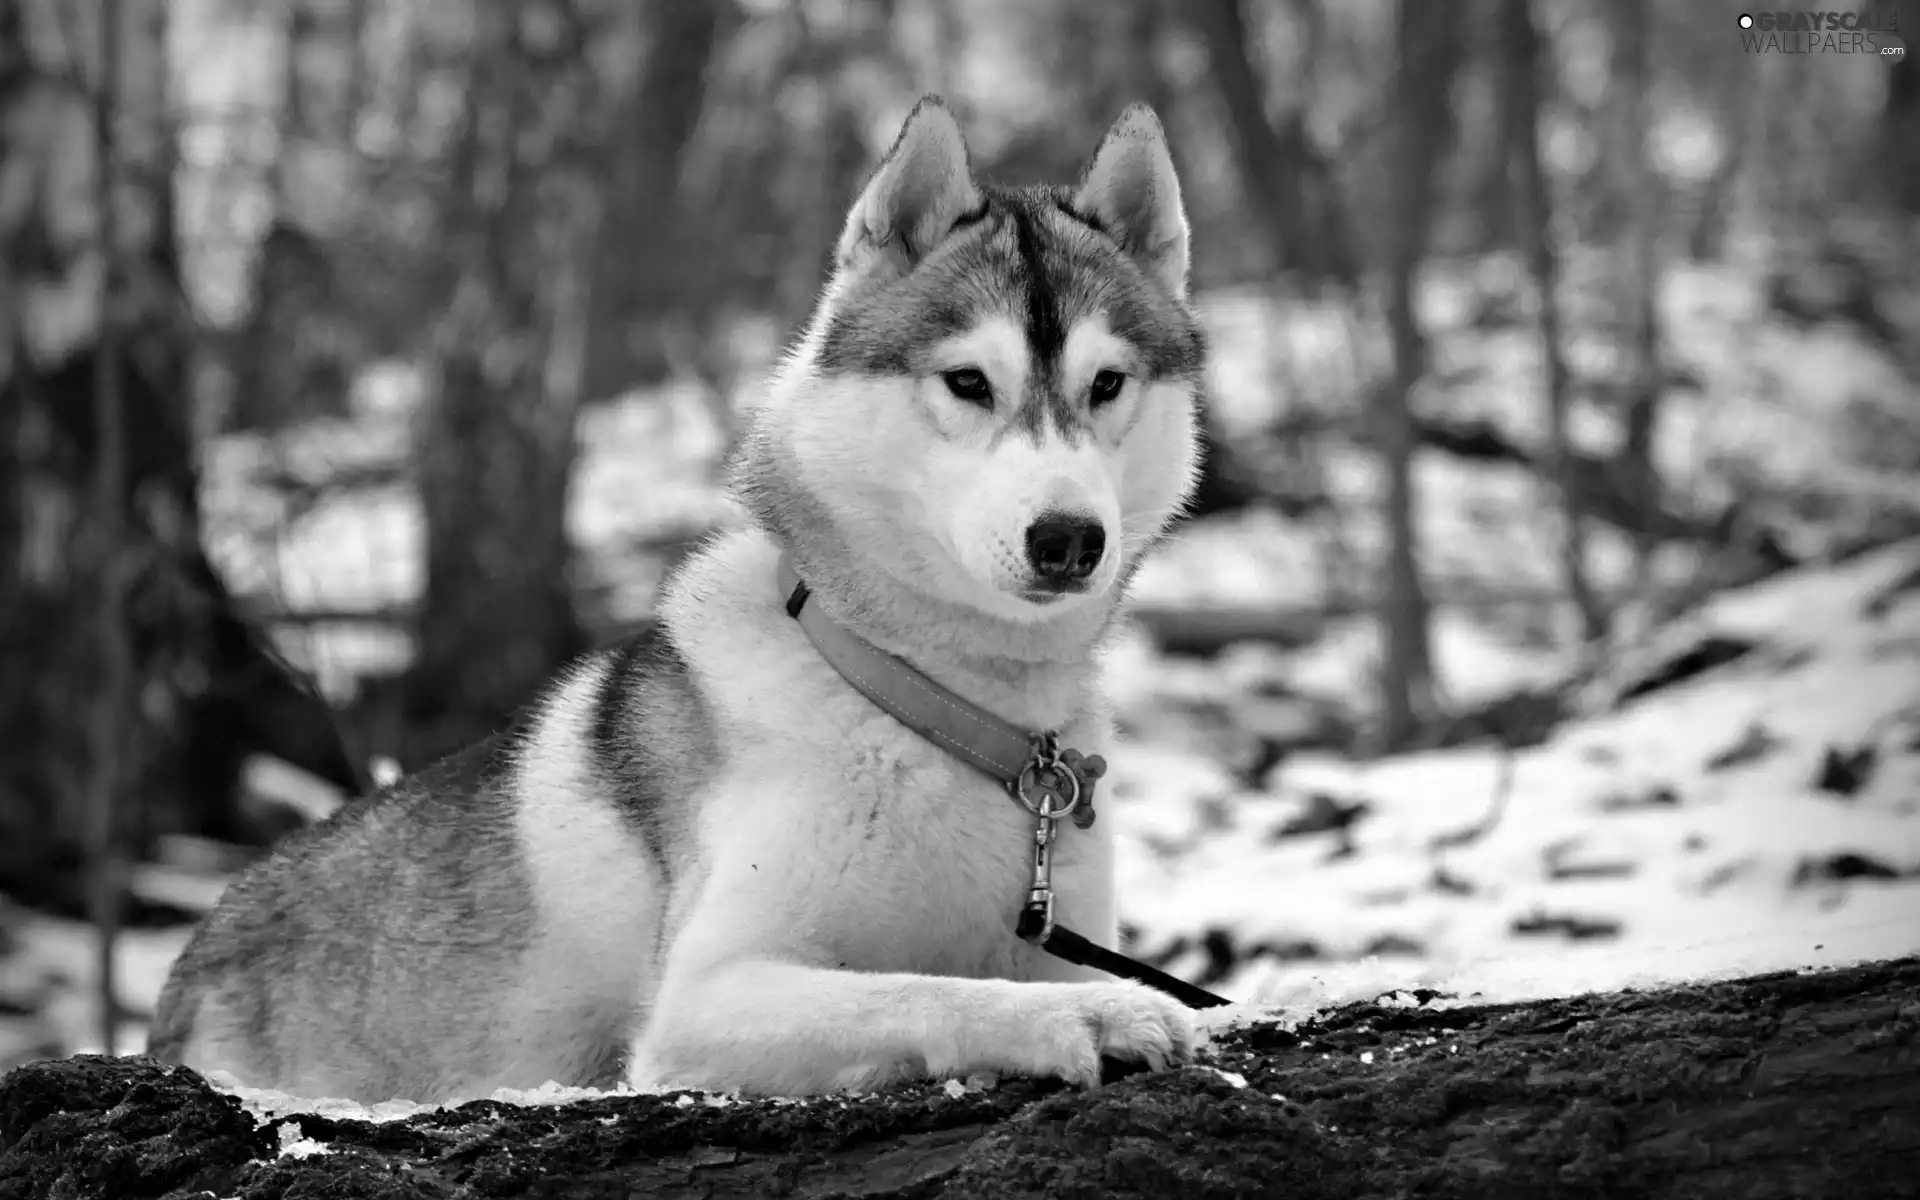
pixel 1872 33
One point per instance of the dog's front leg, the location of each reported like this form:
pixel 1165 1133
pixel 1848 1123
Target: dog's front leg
pixel 777 1028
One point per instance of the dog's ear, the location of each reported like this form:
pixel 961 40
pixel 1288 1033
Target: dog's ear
pixel 1131 188
pixel 922 186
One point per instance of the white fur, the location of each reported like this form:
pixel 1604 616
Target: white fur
pixel 854 923
pixel 1014 483
pixel 594 884
pixel 942 500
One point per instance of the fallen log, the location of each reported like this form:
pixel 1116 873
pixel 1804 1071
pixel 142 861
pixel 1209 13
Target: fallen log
pixel 1202 630
pixel 1785 1085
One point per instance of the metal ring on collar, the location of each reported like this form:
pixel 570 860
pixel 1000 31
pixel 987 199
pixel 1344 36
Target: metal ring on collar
pixel 1042 806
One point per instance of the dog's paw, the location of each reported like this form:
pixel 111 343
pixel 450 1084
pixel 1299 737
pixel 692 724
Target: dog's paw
pixel 1125 1021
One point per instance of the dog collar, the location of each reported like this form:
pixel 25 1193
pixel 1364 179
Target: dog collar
pixel 1050 782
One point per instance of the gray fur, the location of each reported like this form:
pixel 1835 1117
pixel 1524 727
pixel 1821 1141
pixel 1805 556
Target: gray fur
pixel 288 940
pixel 1031 253
pixel 647 689
pixel 365 947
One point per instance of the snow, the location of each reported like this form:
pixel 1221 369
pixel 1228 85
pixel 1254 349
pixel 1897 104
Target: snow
pixel 1717 882
pixel 267 1105
pixel 296 1144
pixel 1875 926
pixel 53 969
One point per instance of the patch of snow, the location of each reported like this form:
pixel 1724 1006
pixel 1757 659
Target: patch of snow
pixel 62 954
pixel 294 1143
pixel 280 782
pixel 551 1093
pixel 1883 927
pixel 1716 879
pixel 267 1105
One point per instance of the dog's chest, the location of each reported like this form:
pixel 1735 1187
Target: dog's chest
pixel 938 859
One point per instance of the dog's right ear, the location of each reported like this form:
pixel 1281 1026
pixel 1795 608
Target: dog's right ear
pixel 1132 188
pixel 922 186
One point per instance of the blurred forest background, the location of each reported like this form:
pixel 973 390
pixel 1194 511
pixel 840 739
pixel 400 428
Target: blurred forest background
pixel 365 359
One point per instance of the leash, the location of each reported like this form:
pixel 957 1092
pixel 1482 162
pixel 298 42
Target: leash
pixel 1052 784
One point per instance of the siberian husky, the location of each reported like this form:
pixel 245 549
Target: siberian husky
pixel 706 857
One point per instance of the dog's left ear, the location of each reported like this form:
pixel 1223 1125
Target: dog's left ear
pixel 1131 187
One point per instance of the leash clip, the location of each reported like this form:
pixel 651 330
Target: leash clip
pixel 1054 785
pixel 1036 917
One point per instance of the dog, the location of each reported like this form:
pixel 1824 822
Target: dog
pixel 703 858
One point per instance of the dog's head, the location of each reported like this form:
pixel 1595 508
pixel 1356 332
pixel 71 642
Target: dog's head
pixel 994 402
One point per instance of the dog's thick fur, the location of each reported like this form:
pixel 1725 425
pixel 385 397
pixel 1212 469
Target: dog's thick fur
pixel 703 859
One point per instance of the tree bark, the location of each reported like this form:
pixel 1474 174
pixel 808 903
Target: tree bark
pixel 639 269
pixel 296 355
pixel 1900 115
pixel 197 691
pixel 1288 180
pixel 1528 69
pixel 495 443
pixel 1495 200
pixel 112 694
pixel 1773 1088
pixel 1639 474
pixel 1427 52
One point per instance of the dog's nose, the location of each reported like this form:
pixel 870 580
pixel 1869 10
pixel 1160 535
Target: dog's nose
pixel 1064 549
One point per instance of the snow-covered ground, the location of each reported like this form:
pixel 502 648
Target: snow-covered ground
pixel 1676 834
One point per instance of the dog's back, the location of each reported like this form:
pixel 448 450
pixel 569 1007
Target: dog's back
pixel 435 941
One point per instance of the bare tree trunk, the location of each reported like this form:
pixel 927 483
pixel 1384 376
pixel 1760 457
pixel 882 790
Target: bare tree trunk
pixel 496 448
pixel 1639 475
pixel 1427 51
pixel 1719 192
pixel 300 347
pixel 639 269
pixel 1495 198
pixel 1529 67
pixel 1900 149
pixel 1288 179
pixel 113 697
pixel 1293 186
pixel 1225 484
pixel 208 694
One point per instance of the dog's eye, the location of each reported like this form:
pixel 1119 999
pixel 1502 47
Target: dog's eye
pixel 1106 387
pixel 969 385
